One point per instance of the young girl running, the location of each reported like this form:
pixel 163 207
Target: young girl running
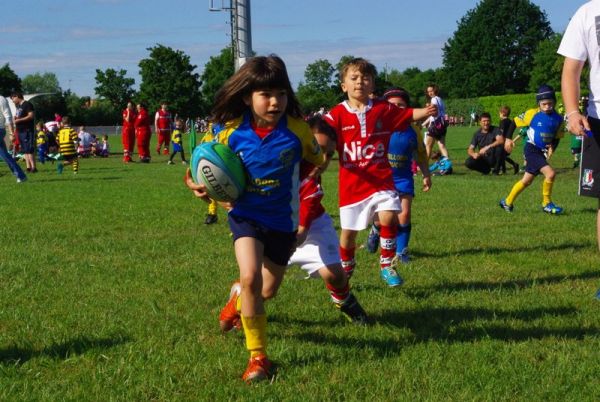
pixel 264 126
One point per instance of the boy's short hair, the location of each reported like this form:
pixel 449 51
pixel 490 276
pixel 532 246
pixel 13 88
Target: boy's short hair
pixel 505 110
pixel 485 115
pixel 360 64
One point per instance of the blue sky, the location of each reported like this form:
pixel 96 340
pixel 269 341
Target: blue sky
pixel 72 38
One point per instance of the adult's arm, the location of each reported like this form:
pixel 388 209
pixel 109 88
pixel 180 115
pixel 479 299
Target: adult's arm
pixel 571 75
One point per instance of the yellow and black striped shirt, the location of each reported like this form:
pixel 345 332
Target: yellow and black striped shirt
pixel 67 137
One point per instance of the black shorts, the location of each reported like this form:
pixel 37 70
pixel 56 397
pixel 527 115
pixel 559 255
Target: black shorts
pixel 589 169
pixel 535 159
pixel 26 141
pixel 278 245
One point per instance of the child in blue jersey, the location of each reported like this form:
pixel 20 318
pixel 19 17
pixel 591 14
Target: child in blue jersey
pixel 405 146
pixel 42 142
pixel 177 140
pixel 264 127
pixel 543 135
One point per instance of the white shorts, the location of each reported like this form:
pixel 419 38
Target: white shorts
pixel 359 216
pixel 321 247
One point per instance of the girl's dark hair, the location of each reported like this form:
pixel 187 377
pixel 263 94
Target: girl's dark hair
pixel 397 92
pixel 258 73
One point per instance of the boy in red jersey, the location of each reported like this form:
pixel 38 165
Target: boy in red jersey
pixel 364 127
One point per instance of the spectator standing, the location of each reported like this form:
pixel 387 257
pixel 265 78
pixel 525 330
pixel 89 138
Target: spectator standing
pixel 128 131
pixel 24 125
pixel 580 43
pixel 162 126
pixel 143 132
pixel 6 122
pixel 507 128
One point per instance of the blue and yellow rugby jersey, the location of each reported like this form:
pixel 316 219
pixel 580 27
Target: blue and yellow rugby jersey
pixel 176 137
pixel 543 129
pixel 404 147
pixel 41 138
pixel 273 169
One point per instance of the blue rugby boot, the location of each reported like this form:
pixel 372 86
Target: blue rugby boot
pixel 390 277
pixel 551 208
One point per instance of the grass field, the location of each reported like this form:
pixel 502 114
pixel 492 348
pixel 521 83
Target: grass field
pixel 110 288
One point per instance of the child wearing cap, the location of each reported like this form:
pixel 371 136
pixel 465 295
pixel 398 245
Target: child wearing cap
pixel 545 128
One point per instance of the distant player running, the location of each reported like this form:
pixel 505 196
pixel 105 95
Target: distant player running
pixel 543 135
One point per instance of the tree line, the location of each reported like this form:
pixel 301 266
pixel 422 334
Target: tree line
pixel 499 47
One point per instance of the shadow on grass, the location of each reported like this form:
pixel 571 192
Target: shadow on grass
pixel 509 285
pixel 453 325
pixel 499 250
pixel 78 178
pixel 19 355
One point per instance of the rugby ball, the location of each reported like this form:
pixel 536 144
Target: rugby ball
pixel 218 168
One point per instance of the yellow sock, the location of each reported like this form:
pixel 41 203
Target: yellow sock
pixel 255 329
pixel 547 192
pixel 516 190
pixel 212 207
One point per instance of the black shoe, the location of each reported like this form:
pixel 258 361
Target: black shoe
pixel 353 311
pixel 210 219
pixel 516 168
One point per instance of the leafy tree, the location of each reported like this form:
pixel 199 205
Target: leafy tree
pixel 318 90
pixel 41 83
pixel 84 111
pixel 216 71
pixel 547 64
pixel 113 86
pixel 168 76
pixel 415 82
pixel 51 102
pixel 9 81
pixel 46 105
pixel 492 50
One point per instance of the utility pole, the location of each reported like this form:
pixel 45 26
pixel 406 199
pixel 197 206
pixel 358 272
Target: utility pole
pixel 241 33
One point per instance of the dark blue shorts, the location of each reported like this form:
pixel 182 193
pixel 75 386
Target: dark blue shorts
pixel 177 147
pixel 535 159
pixel 278 245
pixel 26 141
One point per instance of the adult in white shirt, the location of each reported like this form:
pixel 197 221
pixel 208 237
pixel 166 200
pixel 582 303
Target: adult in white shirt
pixel 6 122
pixel 579 44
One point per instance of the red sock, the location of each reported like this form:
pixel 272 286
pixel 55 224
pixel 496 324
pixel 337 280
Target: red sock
pixel 348 263
pixel 338 296
pixel 387 241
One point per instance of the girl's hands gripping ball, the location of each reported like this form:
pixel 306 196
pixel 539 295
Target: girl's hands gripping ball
pixel 217 172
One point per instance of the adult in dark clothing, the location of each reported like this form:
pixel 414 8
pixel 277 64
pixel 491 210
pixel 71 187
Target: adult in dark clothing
pixel 24 125
pixel 507 128
pixel 485 145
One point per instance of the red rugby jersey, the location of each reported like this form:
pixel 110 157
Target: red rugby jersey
pixel 362 145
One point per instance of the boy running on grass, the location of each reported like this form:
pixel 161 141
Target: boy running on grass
pixel 543 135
pixel 363 127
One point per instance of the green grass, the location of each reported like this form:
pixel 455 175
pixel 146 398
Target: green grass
pixel 110 288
